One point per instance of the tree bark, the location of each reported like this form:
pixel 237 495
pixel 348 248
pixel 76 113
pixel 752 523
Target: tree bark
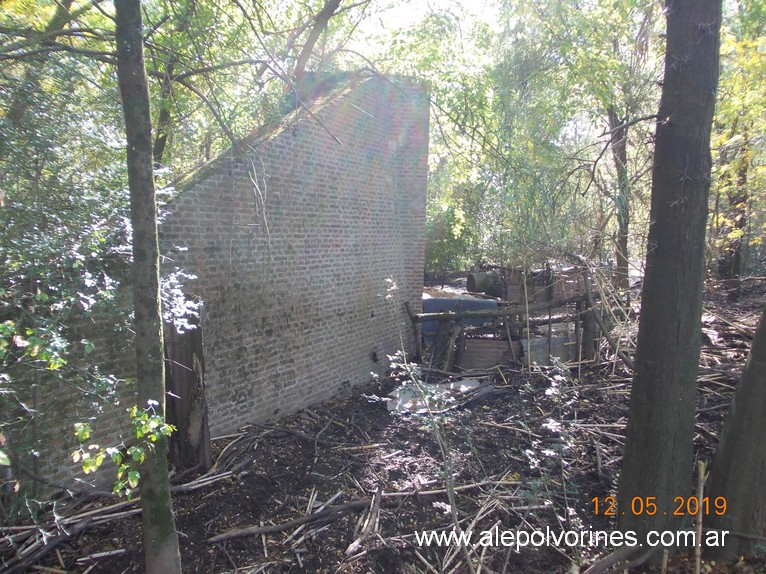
pixel 185 379
pixel 164 123
pixel 160 538
pixel 739 465
pixel 320 24
pixel 658 448
pixel 622 199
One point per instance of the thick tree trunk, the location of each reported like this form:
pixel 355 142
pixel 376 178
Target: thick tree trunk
pixel 622 199
pixel 321 21
pixel 160 537
pixel 658 448
pixel 739 466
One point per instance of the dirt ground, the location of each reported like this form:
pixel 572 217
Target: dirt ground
pixel 344 487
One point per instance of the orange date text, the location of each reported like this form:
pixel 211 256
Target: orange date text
pixel 647 506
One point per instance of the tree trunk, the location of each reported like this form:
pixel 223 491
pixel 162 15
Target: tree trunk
pixel 739 465
pixel 160 538
pixel 34 75
pixel 164 125
pixel 163 118
pixel 658 448
pixel 622 199
pixel 185 380
pixel 321 21
pixel 730 264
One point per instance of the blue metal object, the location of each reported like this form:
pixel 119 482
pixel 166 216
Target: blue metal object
pixel 442 304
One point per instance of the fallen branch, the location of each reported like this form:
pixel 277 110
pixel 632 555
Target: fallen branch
pixel 44 547
pixel 330 513
pixel 370 526
pixel 100 555
pixel 746 332
pixel 600 321
pixel 621 556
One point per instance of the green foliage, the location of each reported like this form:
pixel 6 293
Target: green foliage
pixel 520 167
pixel 738 210
pixel 447 247
pixel 216 71
pixel 563 69
pixel 146 426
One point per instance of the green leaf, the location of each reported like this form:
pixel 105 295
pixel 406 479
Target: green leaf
pixel 5 460
pixel 133 477
pixel 82 431
pixel 116 455
pixel 137 453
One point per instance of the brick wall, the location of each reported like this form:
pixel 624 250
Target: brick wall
pixel 51 402
pixel 297 242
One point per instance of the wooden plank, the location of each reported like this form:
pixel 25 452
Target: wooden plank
pixel 502 312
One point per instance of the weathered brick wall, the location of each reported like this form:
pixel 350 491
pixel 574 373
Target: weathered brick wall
pixel 297 244
pixel 51 402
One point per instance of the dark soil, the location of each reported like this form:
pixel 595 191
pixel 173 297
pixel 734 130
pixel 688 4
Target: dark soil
pixel 529 454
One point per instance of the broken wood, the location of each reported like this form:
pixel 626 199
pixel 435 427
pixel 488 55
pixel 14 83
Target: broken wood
pixel 190 445
pixel 370 525
pixel 330 512
pixel 604 331
pixel 500 312
pixel 43 547
pixel 449 359
pixel 326 512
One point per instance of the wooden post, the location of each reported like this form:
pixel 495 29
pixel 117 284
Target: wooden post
pixel 449 355
pixel 187 409
pixel 417 329
pixel 441 341
pixel 578 326
pixel 588 334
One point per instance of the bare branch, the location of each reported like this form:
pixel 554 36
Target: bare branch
pixel 213 109
pixel 630 123
pixel 215 68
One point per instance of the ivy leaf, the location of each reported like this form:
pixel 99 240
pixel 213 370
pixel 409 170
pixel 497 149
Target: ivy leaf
pixel 133 477
pixel 82 431
pixel 88 346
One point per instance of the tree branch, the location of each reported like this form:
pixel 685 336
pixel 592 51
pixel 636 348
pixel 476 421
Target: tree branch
pixel 213 68
pixel 320 24
pixel 211 107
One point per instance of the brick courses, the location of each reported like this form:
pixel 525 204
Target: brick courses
pixel 296 243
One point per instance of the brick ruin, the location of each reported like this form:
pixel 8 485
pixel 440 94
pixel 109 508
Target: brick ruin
pixel 305 241
pixel 305 246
